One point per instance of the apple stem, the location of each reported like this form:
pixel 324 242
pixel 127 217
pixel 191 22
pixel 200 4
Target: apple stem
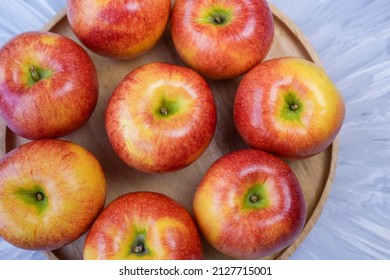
pixel 254 198
pixel 164 111
pixel 217 20
pixel 39 196
pixel 34 74
pixel 294 107
pixel 137 248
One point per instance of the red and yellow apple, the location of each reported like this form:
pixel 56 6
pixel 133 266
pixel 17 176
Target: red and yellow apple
pixel 50 193
pixel 161 117
pixel 143 225
pixel 222 39
pixel 119 29
pixel 48 85
pixel 289 107
pixel 249 204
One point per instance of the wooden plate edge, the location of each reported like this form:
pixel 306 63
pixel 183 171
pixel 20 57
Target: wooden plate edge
pixel 297 33
pixel 54 20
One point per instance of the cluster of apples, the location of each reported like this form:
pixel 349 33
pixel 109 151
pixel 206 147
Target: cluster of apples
pixel 160 118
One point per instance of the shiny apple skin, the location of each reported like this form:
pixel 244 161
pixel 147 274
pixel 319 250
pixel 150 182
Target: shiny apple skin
pixel 120 29
pixel 148 141
pixel 241 231
pixel 169 230
pixel 55 105
pixel 222 52
pixel 260 101
pixel 74 188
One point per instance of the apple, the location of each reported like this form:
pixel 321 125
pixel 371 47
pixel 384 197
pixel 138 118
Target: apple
pixel 289 107
pixel 222 39
pixel 119 29
pixel 50 193
pixel 143 225
pixel 161 117
pixel 48 85
pixel 249 204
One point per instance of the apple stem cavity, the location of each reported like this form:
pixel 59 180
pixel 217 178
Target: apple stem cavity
pixel 39 196
pixel 294 107
pixel 34 74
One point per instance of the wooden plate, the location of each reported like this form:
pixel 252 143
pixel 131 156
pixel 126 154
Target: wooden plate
pixel 315 174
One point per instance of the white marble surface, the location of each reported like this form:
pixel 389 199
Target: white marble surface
pixel 352 38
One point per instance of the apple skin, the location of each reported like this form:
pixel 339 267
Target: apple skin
pixel 234 225
pixel 161 225
pixel 120 29
pixel 73 189
pixel 64 97
pixel 226 50
pixel 146 139
pixel 263 115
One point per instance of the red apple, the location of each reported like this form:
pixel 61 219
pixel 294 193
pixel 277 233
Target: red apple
pixel 119 29
pixel 161 117
pixel 289 107
pixel 48 85
pixel 249 205
pixel 143 225
pixel 50 193
pixel 222 38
